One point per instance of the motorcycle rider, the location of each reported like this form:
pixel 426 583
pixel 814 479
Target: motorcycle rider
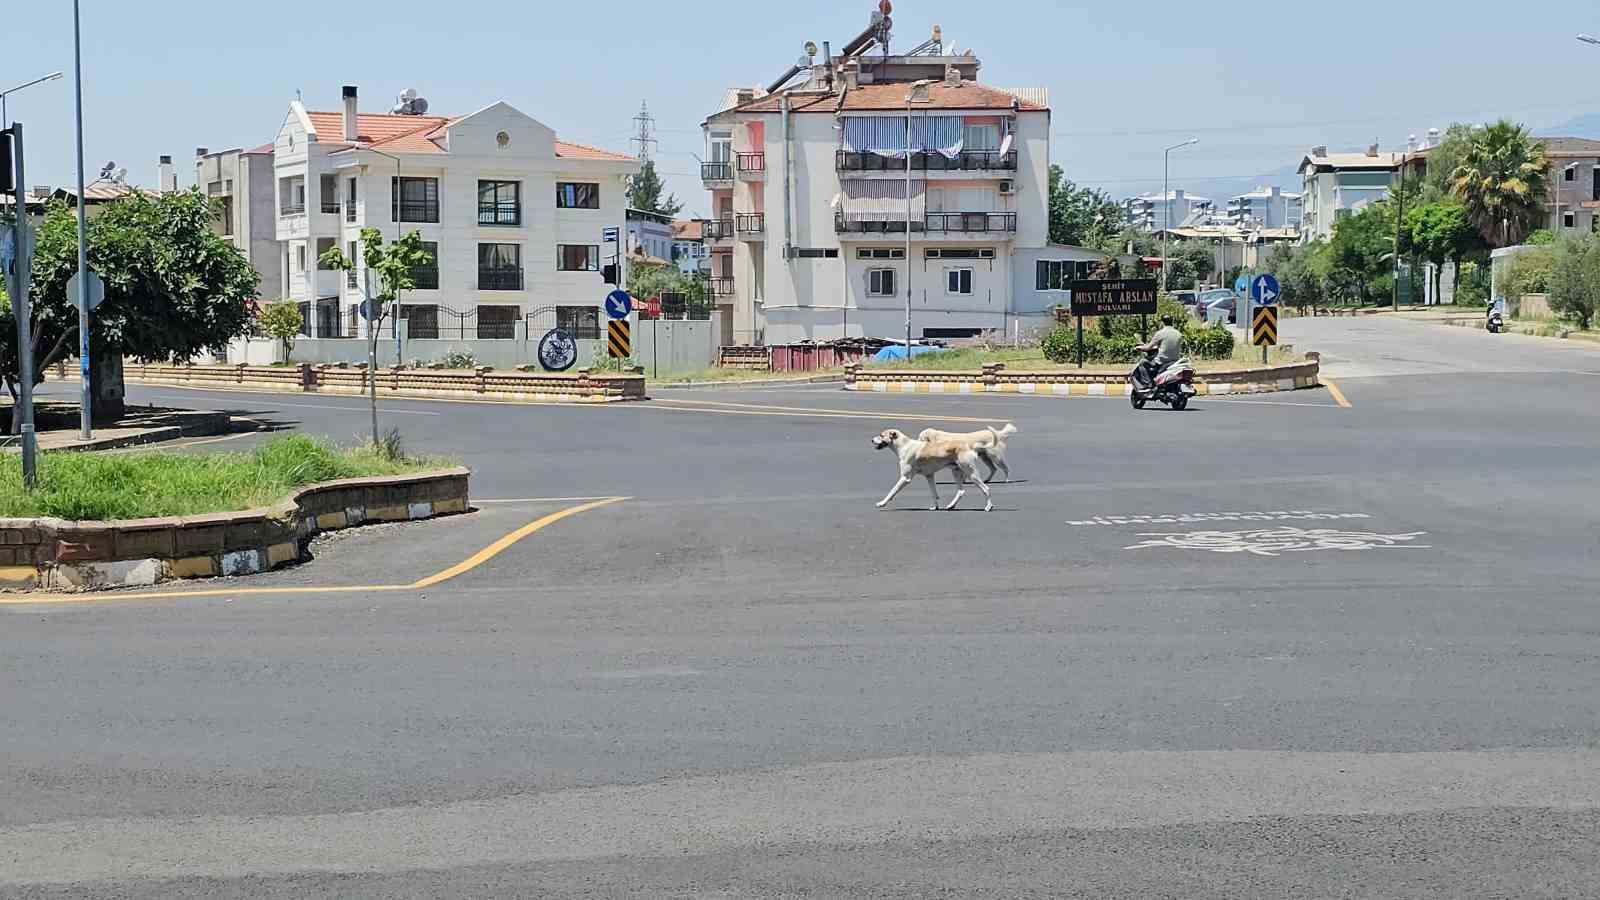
pixel 1167 343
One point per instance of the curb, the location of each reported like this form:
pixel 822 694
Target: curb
pixel 61 555
pixel 1076 383
pixel 747 382
pixel 214 424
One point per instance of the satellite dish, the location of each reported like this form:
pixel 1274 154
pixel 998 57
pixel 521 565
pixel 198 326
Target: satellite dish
pixel 108 168
pixel 877 17
pixel 408 94
pixel 811 49
pixel 419 105
pixel 802 62
pixel 120 175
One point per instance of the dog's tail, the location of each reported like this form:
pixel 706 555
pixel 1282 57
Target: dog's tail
pixel 1003 433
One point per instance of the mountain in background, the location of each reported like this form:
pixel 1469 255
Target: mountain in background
pixel 1584 126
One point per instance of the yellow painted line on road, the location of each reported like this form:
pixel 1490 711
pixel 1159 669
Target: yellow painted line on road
pixel 723 406
pixel 1333 390
pixel 511 500
pixel 461 568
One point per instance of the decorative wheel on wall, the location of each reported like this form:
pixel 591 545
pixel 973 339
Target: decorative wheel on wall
pixel 558 350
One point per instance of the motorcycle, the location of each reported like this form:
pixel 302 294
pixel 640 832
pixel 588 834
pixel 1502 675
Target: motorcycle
pixel 1496 320
pixel 1173 385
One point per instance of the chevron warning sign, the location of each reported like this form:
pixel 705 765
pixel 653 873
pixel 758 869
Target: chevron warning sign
pixel 619 339
pixel 1264 326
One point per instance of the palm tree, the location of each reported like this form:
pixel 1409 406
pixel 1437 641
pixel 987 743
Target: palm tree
pixel 1502 182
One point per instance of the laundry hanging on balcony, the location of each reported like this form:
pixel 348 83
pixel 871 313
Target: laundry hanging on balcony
pixel 886 135
pixel 883 200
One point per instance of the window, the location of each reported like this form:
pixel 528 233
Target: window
pixel 497 323
pixel 499 267
pixel 414 199
pixel 958 281
pixel 1568 220
pixel 350 202
pixel 980 137
pixel 881 253
pixel 328 193
pixel 499 203
pixel 291 196
pixel 299 257
pixel 582 322
pixel 422 320
pixel 350 276
pixel 426 276
pixel 577 195
pixel 577 258
pixel 721 147
pixel 1057 274
pixel 214 188
pixel 880 282
pixel 959 253
pixel 1570 173
pixel 816 253
pixel 227 215
pixel 323 246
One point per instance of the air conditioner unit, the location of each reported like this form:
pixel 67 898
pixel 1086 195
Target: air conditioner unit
pixel 1008 187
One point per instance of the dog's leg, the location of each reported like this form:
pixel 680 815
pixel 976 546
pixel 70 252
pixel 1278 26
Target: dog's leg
pixel 989 460
pixel 933 488
pixel 1003 468
pixel 961 486
pixel 895 491
pixel 988 497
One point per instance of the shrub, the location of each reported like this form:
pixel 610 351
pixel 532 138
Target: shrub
pixel 1061 346
pixel 281 319
pixel 459 359
pixel 1214 342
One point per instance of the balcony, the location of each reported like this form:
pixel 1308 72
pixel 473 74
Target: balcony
pixel 750 225
pixel 965 161
pixel 509 213
pixel 500 279
pixel 752 166
pixel 933 223
pixel 719 229
pixel 716 172
pixel 721 287
pixel 292 209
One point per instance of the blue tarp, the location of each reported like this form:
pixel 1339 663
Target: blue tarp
pixel 898 352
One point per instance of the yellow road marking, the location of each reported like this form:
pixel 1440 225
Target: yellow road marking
pixel 461 568
pixel 510 500
pixel 1333 390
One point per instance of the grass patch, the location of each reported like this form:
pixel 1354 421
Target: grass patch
pixel 93 486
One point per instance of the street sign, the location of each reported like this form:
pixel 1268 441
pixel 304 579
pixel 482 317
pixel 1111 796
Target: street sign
pixel 618 304
pixel 368 308
pixel 609 236
pixel 97 290
pixel 1241 285
pixel 1264 326
pixel 1264 290
pixel 558 350
pixel 1124 297
pixel 8 251
pixel 619 339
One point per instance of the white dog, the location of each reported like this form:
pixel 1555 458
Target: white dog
pixel 929 458
pixel 992 455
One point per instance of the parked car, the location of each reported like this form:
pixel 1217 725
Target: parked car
pixel 1187 298
pixel 1222 306
pixel 1216 298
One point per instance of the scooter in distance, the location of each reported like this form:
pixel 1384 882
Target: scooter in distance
pixel 1173 385
pixel 1495 322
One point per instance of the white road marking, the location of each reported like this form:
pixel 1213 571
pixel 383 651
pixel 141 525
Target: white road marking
pixel 1281 540
pixel 382 410
pixel 1202 518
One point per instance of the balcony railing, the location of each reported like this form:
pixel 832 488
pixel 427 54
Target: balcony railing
pixel 499 214
pixel 292 209
pixel 503 279
pixel 716 171
pixel 719 229
pixel 721 287
pixel 965 161
pixel 349 212
pixel 750 223
pixel 330 206
pixel 752 162
pixel 932 223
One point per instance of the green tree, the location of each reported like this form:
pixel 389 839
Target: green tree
pixel 654 281
pixel 1361 255
pixel 1528 272
pixel 1575 279
pixel 1502 182
pixel 1443 158
pixel 1081 216
pixel 1299 273
pixel 173 289
pixel 281 319
pixel 1440 233
pixel 1541 238
pixel 646 191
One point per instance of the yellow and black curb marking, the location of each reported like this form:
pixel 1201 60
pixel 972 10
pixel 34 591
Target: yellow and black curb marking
pixel 619 339
pixel 1102 389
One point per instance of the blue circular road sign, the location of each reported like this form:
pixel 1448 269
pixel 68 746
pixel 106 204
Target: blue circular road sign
pixel 1241 284
pixel 618 304
pixel 1264 290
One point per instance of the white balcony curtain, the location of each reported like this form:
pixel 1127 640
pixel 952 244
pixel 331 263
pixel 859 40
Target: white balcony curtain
pixel 886 135
pixel 884 200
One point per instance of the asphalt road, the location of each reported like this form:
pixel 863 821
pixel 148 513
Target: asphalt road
pixel 1152 671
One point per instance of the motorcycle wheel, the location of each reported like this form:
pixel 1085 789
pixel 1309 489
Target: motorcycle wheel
pixel 1180 402
pixel 1138 401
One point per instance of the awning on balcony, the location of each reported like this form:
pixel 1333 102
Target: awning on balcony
pixel 864 200
pixel 886 135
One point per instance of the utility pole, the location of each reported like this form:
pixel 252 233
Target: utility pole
pixel 644 133
pixel 85 413
pixel 1399 218
pixel 22 263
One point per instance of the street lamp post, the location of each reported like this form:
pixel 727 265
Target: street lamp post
pixel 4 120
pixel 1166 204
pixel 85 413
pixel 910 98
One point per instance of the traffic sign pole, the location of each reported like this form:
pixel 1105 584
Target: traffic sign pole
pixel 21 262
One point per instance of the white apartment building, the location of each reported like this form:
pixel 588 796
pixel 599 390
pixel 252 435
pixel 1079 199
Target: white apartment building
pixel 514 217
pixel 821 228
pixel 1336 184
pixel 1148 212
pixel 1265 207
pixel 241 182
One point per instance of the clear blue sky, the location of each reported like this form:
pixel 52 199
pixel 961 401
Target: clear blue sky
pixel 1258 82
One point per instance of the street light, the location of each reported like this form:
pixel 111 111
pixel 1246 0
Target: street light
pixel 4 121
pixel 85 410
pixel 1589 40
pixel 1166 204
pixel 911 96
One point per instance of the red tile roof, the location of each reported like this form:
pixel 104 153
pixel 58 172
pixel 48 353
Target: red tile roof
pixel 266 149
pixel 418 134
pixel 892 96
